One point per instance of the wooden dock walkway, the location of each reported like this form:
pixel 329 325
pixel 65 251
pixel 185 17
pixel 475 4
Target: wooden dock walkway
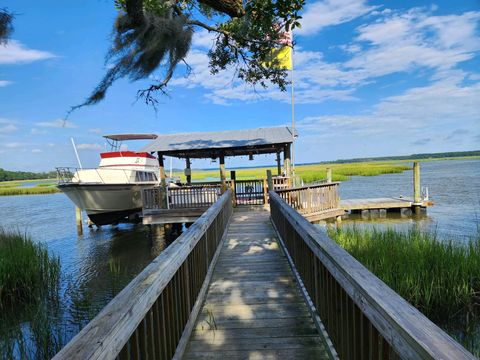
pixel 253 308
pixel 376 203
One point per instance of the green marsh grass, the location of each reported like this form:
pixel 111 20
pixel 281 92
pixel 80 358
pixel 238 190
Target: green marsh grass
pixel 27 271
pixel 34 190
pixel 312 172
pixel 440 277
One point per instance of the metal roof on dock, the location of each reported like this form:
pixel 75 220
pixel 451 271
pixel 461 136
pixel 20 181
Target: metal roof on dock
pixel 231 143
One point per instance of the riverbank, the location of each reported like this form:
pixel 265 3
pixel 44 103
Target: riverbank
pixel 21 187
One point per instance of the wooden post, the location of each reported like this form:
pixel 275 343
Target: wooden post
pixel 162 169
pixel 270 180
pixel 287 162
pixel 163 182
pixel 223 177
pixel 78 219
pixel 233 177
pixel 279 165
pixel 265 192
pixel 329 175
pixel 188 171
pixel 417 195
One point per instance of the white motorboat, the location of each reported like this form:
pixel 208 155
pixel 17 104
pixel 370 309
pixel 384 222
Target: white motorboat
pixel 112 192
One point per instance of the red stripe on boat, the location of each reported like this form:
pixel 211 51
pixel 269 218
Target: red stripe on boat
pixel 114 154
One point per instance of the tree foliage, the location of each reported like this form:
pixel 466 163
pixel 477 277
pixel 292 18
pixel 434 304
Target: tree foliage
pixel 6 26
pixel 152 35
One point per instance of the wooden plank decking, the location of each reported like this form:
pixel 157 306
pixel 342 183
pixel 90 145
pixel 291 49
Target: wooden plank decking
pixel 253 308
pixel 377 203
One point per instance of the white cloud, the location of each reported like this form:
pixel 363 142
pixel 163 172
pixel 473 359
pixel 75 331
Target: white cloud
pixel 36 151
pixel 15 52
pixel 13 145
pixel 455 134
pixel 35 131
pixel 7 129
pixel 204 39
pixel 95 130
pixel 390 42
pixel 404 41
pixel 89 147
pixel 321 14
pixel 4 83
pixel 58 123
pixel 417 112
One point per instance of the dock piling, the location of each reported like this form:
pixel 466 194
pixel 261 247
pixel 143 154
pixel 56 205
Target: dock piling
pixel 78 220
pixel 417 189
pixel 329 175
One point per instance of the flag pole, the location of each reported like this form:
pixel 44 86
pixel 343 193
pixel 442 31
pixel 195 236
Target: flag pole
pixel 293 115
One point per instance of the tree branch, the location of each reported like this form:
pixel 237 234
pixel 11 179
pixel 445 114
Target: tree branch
pixel 233 8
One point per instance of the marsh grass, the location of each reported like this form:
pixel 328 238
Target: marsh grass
pixel 27 271
pixel 313 172
pixel 29 298
pixel 440 277
pixel 35 190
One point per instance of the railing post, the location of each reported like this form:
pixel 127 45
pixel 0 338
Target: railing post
pixel 329 175
pixel 233 178
pixel 270 180
pixel 265 192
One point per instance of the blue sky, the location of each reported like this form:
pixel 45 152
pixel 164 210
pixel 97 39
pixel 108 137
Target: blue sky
pixel 371 79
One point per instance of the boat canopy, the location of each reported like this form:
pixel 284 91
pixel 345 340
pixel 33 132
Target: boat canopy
pixel 122 137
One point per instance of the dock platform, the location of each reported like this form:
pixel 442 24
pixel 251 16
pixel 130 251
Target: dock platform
pixel 254 308
pixel 387 203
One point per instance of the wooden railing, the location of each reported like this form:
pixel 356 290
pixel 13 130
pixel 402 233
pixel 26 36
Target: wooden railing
pixel 147 318
pixel 250 192
pixel 151 198
pixel 312 199
pixel 363 317
pixel 280 182
pixel 192 196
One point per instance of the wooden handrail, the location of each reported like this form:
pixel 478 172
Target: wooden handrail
pixel 312 199
pixel 147 318
pixel 362 315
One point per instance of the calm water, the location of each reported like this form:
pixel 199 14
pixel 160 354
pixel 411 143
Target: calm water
pixel 97 265
pixel 454 187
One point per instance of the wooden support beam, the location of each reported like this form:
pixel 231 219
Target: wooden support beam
pixel 265 192
pixel 162 169
pixel 188 171
pixel 223 176
pixel 269 180
pixel 287 160
pixel 279 165
pixel 233 178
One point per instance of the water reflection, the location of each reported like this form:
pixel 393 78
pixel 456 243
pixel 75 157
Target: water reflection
pixel 95 267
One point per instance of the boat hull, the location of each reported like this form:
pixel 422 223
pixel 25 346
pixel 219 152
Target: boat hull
pixel 105 203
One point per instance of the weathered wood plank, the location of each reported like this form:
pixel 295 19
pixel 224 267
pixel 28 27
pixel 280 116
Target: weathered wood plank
pixel 253 305
pixel 311 353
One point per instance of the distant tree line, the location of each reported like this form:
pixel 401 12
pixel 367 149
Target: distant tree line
pixel 6 175
pixel 412 157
